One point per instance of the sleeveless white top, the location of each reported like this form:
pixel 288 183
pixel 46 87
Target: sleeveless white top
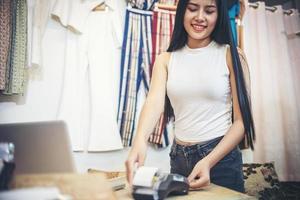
pixel 198 87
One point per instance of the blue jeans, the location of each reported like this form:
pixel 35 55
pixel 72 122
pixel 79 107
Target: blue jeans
pixel 228 172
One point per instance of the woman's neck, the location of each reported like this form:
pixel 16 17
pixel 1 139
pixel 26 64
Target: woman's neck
pixel 194 43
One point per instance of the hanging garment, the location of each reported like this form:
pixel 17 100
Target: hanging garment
pixel 73 93
pixel 90 89
pixel 15 73
pixel 5 36
pixel 142 4
pixel 163 24
pixel 233 12
pixel 73 109
pixel 274 101
pixel 30 10
pixel 135 70
pixel 38 16
pixel 103 61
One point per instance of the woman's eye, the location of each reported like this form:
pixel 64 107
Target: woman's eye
pixel 210 11
pixel 192 9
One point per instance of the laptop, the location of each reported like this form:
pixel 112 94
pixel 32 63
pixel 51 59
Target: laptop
pixel 40 147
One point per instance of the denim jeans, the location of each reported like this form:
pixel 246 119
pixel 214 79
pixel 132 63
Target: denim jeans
pixel 227 172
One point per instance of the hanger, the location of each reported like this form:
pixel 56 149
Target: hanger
pixel 288 12
pixel 253 5
pixel 270 8
pixel 101 7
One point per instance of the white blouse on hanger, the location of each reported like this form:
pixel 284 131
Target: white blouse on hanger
pixel 91 77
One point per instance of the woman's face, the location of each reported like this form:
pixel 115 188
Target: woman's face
pixel 199 20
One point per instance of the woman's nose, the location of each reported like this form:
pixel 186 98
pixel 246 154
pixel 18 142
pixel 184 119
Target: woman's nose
pixel 200 16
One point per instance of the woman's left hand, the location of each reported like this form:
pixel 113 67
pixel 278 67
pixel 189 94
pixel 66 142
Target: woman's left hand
pixel 199 177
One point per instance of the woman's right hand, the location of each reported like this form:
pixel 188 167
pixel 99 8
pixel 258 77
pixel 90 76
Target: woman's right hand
pixel 137 156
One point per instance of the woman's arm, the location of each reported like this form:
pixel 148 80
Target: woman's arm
pixel 155 101
pixel 231 139
pixel 151 111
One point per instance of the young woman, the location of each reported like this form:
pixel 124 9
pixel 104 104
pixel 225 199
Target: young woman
pixel 200 82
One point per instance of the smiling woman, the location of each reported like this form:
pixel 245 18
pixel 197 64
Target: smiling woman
pixel 199 83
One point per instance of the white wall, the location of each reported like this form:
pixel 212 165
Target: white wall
pixel 40 101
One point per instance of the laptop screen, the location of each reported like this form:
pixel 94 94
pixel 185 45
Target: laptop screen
pixel 40 147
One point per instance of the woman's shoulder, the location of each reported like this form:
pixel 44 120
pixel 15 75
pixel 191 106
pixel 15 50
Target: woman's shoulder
pixel 163 58
pixel 218 45
pixel 164 55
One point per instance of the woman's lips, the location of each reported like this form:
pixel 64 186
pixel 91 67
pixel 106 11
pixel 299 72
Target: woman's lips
pixel 198 28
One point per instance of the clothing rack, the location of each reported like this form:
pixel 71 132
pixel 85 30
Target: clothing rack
pixel 270 8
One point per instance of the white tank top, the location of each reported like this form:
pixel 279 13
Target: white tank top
pixel 198 87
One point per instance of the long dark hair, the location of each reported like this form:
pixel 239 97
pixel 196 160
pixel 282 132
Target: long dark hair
pixel 222 34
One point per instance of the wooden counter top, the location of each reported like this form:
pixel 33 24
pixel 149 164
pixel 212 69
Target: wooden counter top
pixel 78 186
pixel 95 186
